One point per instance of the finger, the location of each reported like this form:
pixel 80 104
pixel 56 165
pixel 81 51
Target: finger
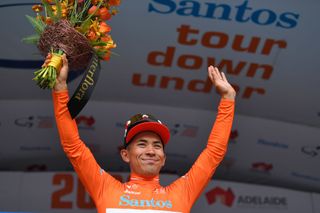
pixel 45 63
pixel 47 60
pixel 210 73
pixel 49 56
pixel 65 60
pixel 218 73
pixel 224 77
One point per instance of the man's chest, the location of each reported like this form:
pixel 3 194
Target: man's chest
pixel 142 199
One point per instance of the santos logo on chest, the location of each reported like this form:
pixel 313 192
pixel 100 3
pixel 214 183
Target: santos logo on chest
pixel 126 201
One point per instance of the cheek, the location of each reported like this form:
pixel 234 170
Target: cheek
pixel 162 156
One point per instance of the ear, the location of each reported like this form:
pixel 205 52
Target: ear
pixel 125 155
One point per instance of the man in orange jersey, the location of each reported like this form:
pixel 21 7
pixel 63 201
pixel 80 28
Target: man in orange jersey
pixel 145 138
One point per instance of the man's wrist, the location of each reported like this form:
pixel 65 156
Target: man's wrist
pixel 229 96
pixel 60 87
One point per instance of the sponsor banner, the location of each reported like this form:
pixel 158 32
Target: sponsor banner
pixel 222 196
pixel 62 192
pixel 173 42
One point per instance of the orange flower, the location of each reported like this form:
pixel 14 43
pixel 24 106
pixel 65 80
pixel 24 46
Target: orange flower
pixel 48 20
pixel 93 9
pixel 104 14
pixel 37 8
pixel 104 28
pixel 91 35
pixel 95 2
pixel 114 12
pixel 111 45
pixel 106 38
pixel 106 57
pixel 64 5
pixel 114 2
pixel 64 13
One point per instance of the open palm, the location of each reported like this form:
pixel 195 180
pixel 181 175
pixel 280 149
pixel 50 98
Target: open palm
pixel 221 83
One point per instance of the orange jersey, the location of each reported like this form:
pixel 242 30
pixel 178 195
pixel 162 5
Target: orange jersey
pixel 141 194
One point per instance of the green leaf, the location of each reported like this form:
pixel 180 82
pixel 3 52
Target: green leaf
pixel 84 10
pixel 73 16
pixel 85 26
pixel 100 53
pixel 98 43
pixel 32 39
pixel 37 24
pixel 59 10
pixel 98 6
pixel 48 10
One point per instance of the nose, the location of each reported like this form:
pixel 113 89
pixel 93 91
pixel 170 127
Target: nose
pixel 150 151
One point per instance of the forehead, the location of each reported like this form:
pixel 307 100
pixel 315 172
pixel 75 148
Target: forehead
pixel 149 136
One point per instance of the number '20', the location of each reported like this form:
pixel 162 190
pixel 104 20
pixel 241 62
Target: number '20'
pixel 58 200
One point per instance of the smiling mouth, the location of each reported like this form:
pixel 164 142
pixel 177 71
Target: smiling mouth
pixel 150 161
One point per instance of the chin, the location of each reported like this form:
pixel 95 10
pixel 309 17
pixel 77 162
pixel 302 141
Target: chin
pixel 150 173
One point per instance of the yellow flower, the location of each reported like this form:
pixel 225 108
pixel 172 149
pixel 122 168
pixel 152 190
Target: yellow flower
pixel 37 8
pixel 95 25
pixel 64 13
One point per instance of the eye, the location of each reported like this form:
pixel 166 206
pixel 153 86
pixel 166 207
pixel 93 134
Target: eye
pixel 141 144
pixel 158 146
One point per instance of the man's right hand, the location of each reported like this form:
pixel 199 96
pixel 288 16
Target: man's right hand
pixel 62 75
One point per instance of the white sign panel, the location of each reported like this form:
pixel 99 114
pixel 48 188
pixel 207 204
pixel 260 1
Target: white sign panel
pixel 220 196
pixel 267 49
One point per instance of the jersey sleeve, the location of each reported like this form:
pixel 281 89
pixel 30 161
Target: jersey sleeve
pixel 84 163
pixel 202 170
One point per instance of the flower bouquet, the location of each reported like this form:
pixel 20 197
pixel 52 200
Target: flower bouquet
pixel 77 28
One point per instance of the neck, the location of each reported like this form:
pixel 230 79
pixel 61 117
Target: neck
pixel 137 177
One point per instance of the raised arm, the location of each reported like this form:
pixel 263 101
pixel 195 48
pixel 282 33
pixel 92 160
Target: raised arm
pixel 202 170
pixel 89 172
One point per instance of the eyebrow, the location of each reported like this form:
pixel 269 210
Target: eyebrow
pixel 154 142
pixel 157 142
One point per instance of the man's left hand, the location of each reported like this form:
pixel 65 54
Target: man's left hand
pixel 221 83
